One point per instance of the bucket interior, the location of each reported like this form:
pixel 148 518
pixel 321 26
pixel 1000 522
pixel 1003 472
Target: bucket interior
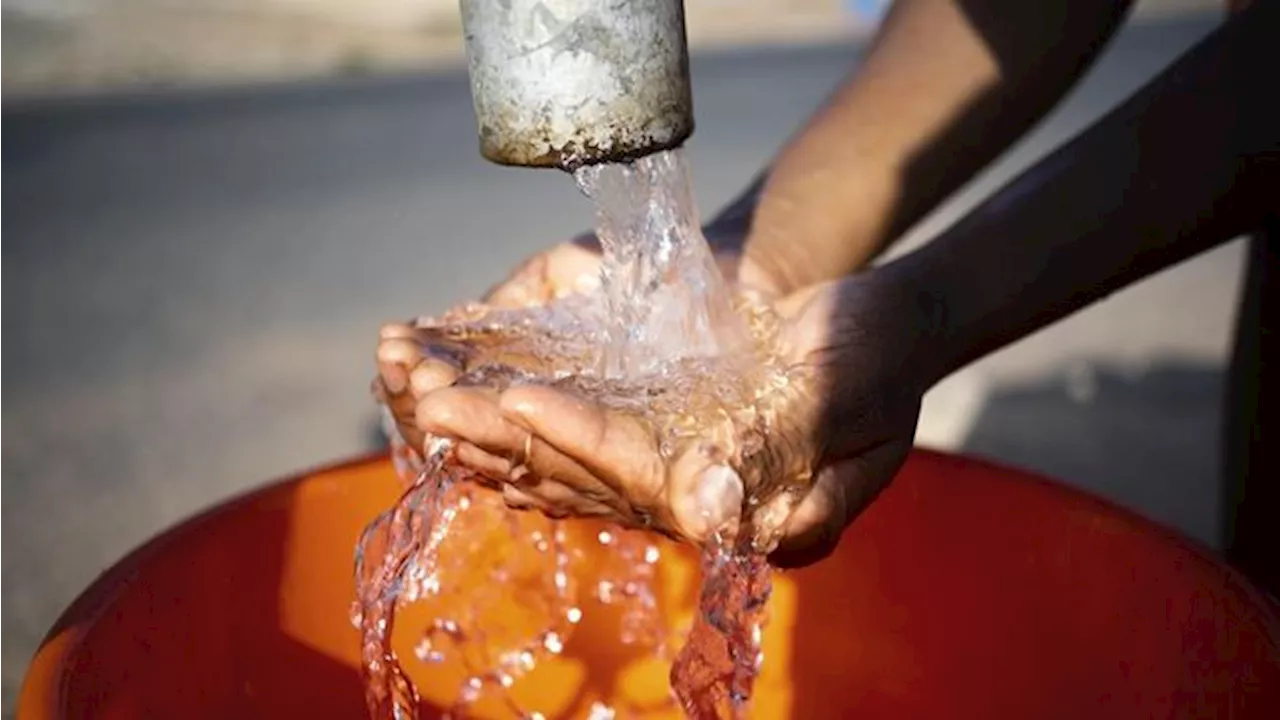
pixel 966 590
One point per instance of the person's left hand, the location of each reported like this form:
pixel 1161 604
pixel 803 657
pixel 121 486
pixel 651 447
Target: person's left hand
pixel 408 369
pixel 849 431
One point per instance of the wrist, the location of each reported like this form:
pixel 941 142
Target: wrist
pixel 921 311
pixel 727 236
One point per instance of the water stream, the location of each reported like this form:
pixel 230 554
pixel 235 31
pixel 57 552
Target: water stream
pixel 664 338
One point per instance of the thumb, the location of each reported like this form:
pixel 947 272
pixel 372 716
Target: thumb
pixel 842 491
pixel 705 494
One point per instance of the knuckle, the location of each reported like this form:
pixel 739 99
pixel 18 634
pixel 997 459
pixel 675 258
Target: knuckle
pixel 647 487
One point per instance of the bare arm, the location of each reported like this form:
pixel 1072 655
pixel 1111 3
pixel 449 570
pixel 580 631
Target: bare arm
pixel 1189 162
pixel 945 88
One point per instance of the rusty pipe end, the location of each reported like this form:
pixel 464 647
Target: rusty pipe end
pixel 566 83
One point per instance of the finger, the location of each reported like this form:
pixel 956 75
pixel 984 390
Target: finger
pixel 704 494
pixel 396 357
pixel 517 499
pixel 409 370
pixel 471 415
pixel 813 530
pixel 566 268
pixel 567 501
pixel 700 495
pixel 573 267
pixel 525 499
pixel 547 465
pixel 840 493
pixel 524 286
pixel 490 470
pixel 616 448
pixel 431 374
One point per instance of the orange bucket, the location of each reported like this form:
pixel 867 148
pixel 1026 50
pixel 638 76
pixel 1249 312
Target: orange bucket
pixel 966 591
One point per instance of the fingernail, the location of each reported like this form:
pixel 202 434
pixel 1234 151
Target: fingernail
pixel 718 496
pixel 394 378
pixel 399 350
pixel 431 375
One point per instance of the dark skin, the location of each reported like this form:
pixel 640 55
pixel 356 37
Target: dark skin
pixel 1187 163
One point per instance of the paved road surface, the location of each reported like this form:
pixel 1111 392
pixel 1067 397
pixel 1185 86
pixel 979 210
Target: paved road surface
pixel 192 284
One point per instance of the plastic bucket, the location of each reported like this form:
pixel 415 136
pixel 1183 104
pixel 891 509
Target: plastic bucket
pixel 966 591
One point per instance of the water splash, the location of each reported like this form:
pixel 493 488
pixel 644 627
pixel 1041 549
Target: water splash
pixel 435 545
pixel 396 561
pixel 664 339
pixel 664 295
pixel 713 675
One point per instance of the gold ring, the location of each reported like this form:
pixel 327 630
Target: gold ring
pixel 519 462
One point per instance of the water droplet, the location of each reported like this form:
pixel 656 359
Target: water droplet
pixel 574 615
pixel 552 642
pixel 651 554
pixel 600 711
pixel 604 592
pixel 470 690
pixel 527 660
pixel 423 649
pixel 605 537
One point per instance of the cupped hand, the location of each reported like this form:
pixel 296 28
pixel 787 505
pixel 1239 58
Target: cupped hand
pixel 846 430
pixel 407 370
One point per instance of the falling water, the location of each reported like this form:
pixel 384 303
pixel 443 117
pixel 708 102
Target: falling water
pixel 666 339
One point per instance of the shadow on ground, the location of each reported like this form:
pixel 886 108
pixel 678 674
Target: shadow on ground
pixel 1146 438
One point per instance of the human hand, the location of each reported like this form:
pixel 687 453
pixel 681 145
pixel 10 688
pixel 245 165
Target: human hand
pixel 847 429
pixel 574 267
pixel 407 371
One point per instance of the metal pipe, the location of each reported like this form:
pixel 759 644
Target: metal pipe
pixel 565 83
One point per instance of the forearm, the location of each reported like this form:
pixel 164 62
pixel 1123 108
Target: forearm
pixel 945 88
pixel 1191 161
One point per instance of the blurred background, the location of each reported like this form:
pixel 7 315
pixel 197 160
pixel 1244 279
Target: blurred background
pixel 213 204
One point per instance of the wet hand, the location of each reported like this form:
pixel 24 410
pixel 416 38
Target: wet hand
pixel 849 432
pixel 407 371
pixel 567 268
